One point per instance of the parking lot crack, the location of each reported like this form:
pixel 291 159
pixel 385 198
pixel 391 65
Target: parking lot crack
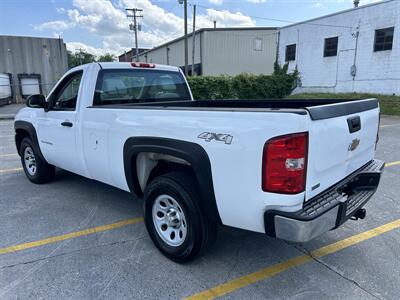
pixel 330 268
pixel 69 252
pixel 390 198
pixel 237 260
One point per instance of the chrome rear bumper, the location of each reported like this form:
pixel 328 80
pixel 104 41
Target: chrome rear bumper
pixel 328 210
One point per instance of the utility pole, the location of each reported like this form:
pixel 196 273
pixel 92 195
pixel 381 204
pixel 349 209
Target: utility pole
pixel 134 15
pixel 193 37
pixel 186 39
pixel 80 55
pixel 184 2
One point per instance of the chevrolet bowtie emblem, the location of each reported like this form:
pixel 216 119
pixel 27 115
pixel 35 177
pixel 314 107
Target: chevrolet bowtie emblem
pixel 354 144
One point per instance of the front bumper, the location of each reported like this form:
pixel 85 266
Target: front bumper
pixel 329 209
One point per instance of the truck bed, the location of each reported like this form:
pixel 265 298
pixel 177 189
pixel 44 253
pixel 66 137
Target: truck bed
pixel 317 108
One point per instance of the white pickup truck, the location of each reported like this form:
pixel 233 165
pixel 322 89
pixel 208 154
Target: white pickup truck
pixel 293 169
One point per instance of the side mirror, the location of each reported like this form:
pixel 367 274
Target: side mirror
pixel 36 101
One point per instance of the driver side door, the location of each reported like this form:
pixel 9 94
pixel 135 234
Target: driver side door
pixel 57 128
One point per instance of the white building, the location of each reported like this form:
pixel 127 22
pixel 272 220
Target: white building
pixel 220 51
pixel 356 50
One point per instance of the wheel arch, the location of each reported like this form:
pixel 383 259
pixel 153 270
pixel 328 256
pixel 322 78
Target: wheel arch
pixel 192 153
pixel 26 129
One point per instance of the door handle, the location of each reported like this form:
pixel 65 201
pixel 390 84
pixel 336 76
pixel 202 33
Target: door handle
pixel 66 124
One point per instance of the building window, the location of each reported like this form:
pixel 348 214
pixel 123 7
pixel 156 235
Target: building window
pixel 383 39
pixel 290 52
pixel 331 45
pixel 258 44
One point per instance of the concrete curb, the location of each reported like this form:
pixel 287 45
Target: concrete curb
pixel 7 117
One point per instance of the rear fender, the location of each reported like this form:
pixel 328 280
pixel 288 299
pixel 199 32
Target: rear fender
pixel 193 153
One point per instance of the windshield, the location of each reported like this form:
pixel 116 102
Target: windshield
pixel 136 86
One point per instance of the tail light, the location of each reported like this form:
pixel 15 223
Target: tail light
pixel 142 65
pixel 285 164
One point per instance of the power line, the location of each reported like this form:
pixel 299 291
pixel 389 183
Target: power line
pixel 165 40
pixel 170 37
pixel 285 21
pixel 167 11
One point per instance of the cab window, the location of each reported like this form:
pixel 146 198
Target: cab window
pixel 139 86
pixel 66 95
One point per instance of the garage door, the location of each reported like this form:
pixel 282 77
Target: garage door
pixel 5 86
pixel 29 86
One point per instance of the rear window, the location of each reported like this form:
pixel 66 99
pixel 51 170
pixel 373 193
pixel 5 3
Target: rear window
pixel 139 86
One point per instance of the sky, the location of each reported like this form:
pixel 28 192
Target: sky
pixel 101 26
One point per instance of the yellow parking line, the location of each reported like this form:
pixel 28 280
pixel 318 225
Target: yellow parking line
pixel 388 125
pixel 10 154
pixel 10 170
pixel 255 276
pixel 67 236
pixel 265 273
pixel 394 163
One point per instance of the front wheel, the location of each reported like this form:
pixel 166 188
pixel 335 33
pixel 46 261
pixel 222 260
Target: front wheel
pixel 36 169
pixel 174 220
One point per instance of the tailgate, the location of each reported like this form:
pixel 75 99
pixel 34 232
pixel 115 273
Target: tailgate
pixel 342 139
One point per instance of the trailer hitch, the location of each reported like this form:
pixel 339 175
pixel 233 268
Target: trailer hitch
pixel 360 214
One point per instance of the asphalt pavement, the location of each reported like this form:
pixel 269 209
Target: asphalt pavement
pixel 75 238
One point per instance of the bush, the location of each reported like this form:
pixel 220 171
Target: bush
pixel 244 86
pixel 211 87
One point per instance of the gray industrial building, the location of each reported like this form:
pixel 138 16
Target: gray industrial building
pixel 30 65
pixel 221 51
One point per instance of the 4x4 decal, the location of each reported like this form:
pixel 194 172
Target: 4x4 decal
pixel 220 137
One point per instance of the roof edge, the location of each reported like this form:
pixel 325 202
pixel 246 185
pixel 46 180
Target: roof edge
pixel 31 37
pixel 337 13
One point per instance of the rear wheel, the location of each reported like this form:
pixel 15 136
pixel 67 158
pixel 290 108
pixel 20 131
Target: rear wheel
pixel 36 169
pixel 173 218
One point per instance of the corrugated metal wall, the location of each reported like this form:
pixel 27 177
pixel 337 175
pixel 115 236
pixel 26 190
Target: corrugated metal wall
pixel 175 53
pixel 225 51
pixel 46 57
pixel 233 52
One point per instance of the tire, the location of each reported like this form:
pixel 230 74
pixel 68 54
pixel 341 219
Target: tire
pixel 36 169
pixel 193 232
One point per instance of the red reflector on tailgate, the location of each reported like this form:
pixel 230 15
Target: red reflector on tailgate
pixel 285 164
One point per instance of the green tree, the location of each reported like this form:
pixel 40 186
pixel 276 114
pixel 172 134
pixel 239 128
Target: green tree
pixel 108 57
pixel 78 58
